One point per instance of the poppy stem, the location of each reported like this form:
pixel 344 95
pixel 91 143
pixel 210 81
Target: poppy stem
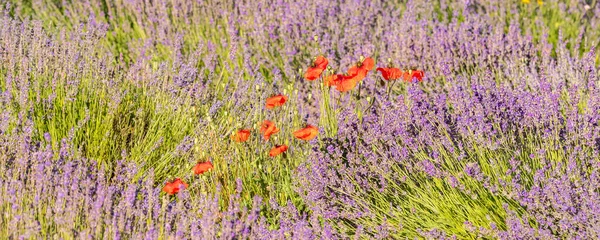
pixel 359 88
pixel 358 103
pixel 389 93
pixel 328 111
pixel 337 110
pixel 339 99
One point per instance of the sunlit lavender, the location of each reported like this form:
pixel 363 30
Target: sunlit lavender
pixel 267 119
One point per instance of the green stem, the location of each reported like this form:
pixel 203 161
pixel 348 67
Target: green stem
pixel 389 93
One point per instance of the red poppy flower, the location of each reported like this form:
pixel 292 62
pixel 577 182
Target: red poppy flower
pixel 368 64
pixel 174 187
pixel 418 74
pixel 331 80
pixel 276 101
pixel 315 70
pixel 278 149
pixel 307 133
pixel 355 74
pixel 267 129
pixel 202 167
pixel 346 83
pixel 241 135
pixel 412 74
pixel 342 82
pixel 390 73
pixel 358 73
pixel 360 70
pixel 406 76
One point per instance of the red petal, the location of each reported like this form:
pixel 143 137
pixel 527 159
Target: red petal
pixel 368 64
pixel 321 62
pixel 313 73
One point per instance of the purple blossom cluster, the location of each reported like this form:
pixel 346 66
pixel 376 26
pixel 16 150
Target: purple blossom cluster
pixel 66 197
pixel 511 152
pixel 499 140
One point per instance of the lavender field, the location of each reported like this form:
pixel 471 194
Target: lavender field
pixel 280 119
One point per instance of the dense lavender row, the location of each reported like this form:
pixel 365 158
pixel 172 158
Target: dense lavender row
pixel 478 156
pixel 278 35
pixel 44 197
pixel 69 172
pixel 103 102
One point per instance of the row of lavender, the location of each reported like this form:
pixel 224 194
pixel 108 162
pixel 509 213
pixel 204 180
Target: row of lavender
pixel 504 146
pixel 498 160
pixel 45 197
pixel 61 194
pixel 500 139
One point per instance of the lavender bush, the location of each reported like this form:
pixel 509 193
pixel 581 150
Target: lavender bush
pixel 64 197
pixel 103 102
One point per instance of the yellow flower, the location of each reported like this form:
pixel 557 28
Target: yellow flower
pixel 540 2
pixel 525 1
